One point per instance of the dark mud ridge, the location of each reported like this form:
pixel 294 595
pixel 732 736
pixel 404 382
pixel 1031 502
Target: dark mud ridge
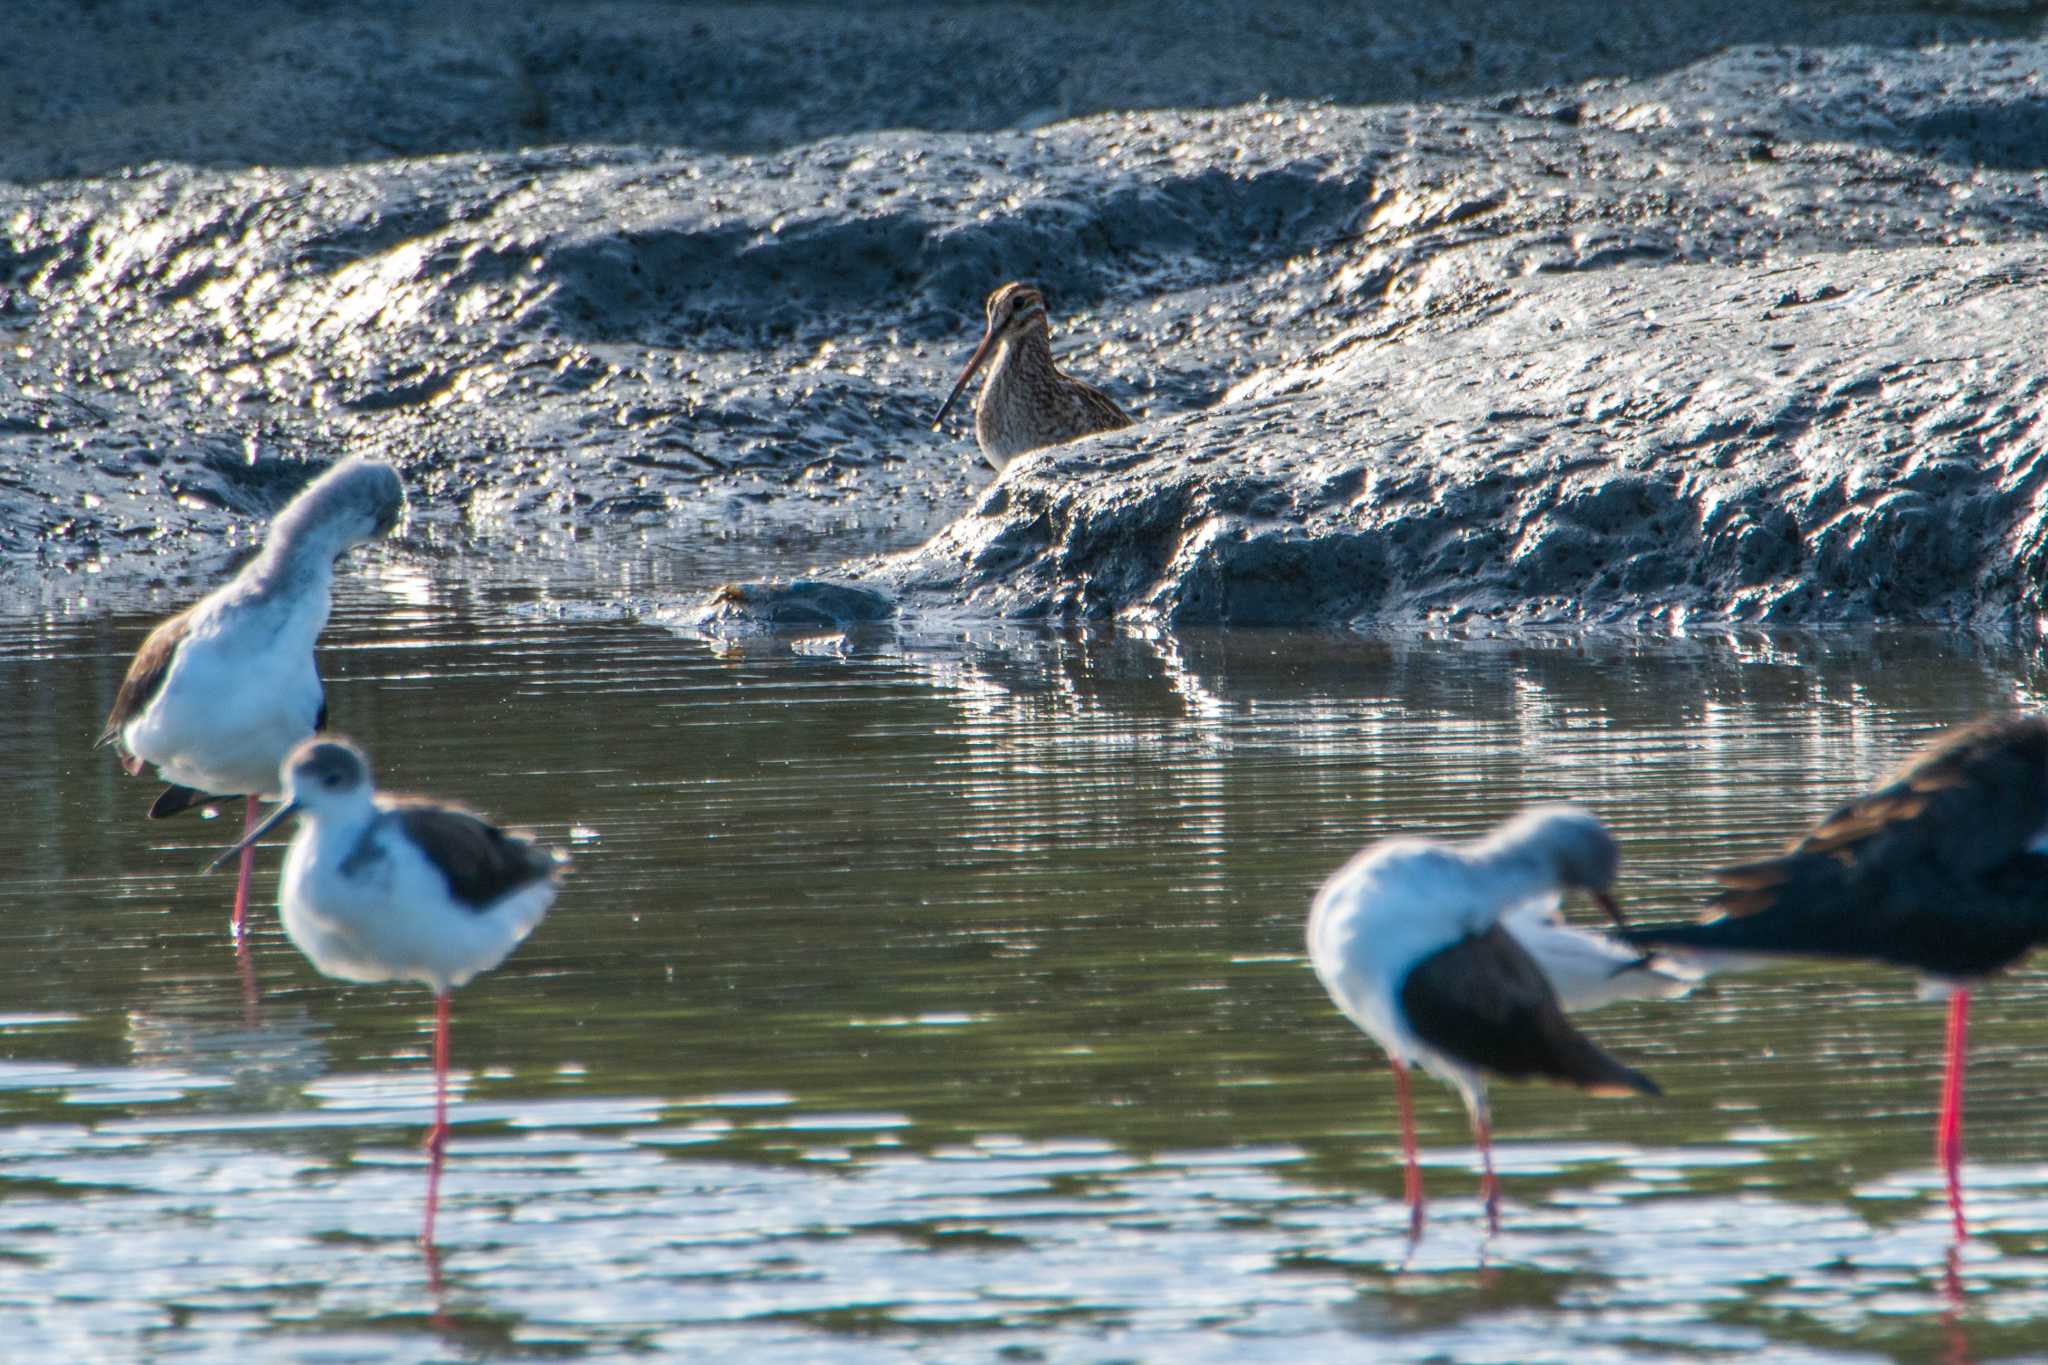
pixel 1758 340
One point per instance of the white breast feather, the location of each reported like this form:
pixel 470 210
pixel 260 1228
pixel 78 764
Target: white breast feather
pixel 224 719
pixel 1386 910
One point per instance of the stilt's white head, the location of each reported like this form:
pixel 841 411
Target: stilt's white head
pixel 355 501
pixel 322 772
pixel 1570 843
pixel 321 775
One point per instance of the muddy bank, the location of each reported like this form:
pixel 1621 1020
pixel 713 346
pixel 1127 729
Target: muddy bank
pixel 1755 339
pixel 1828 439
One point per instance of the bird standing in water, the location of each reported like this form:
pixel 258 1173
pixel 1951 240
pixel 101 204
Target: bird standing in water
pixel 1447 956
pixel 1027 401
pixel 398 888
pixel 221 692
pixel 1942 869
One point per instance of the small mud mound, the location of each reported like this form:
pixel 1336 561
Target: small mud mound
pixel 790 606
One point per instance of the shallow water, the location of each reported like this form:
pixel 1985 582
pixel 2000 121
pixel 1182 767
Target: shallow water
pixel 946 1000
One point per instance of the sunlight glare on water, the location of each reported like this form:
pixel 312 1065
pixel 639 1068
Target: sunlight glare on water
pixel 946 999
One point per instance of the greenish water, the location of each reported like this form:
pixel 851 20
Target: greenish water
pixel 945 1000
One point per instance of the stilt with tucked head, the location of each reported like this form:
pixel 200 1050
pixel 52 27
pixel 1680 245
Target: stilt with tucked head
pixel 1450 957
pixel 219 693
pixel 1943 869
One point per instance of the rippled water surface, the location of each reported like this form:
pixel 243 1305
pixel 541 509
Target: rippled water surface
pixel 946 1000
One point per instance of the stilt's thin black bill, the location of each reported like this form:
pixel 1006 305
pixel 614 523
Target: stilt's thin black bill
pixel 269 822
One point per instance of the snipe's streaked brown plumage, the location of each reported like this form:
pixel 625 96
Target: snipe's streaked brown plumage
pixel 1027 401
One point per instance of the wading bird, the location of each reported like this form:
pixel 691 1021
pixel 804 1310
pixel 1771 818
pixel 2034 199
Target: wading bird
pixel 221 692
pixel 1449 957
pixel 1027 401
pixel 1943 869
pixel 397 888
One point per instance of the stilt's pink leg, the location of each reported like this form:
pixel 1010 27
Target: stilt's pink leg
pixel 439 1317
pixel 1948 1133
pixel 1952 1325
pixel 1489 1183
pixel 1411 1179
pixel 437 1136
pixel 242 879
pixel 245 971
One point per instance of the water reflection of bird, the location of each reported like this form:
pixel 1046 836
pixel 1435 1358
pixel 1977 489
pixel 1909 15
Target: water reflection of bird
pixel 1943 869
pixel 397 888
pixel 1448 957
pixel 219 693
pixel 185 1030
pixel 1027 401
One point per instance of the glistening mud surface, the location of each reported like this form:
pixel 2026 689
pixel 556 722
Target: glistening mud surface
pixel 1754 339
pixel 948 1004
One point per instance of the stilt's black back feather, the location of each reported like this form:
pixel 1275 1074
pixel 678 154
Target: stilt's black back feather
pixel 1931 870
pixel 146 674
pixel 481 862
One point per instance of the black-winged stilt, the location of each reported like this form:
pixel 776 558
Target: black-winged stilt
pixel 219 693
pixel 1450 957
pixel 1943 869
pixel 396 888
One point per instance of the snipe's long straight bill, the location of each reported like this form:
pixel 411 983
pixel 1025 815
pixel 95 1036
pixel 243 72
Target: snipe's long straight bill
pixel 270 822
pixel 974 362
pixel 1607 902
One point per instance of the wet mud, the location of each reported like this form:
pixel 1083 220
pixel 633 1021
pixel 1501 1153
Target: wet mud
pixel 1756 338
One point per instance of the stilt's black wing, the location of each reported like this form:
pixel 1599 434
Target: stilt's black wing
pixel 176 800
pixel 1973 798
pixel 481 862
pixel 1484 1001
